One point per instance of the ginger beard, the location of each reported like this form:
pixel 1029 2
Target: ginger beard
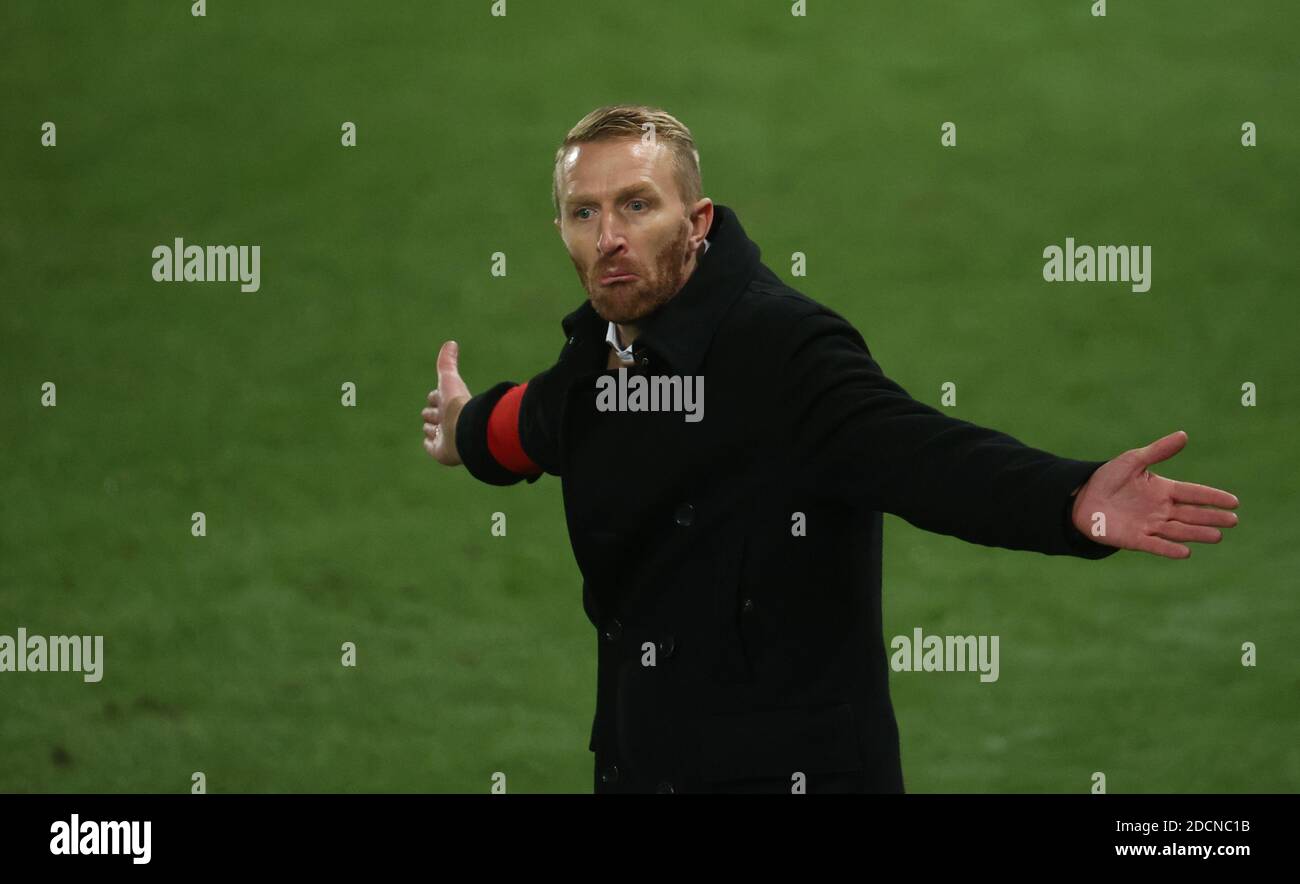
pixel 628 302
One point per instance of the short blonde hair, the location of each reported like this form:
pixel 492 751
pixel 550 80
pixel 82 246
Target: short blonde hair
pixel 629 121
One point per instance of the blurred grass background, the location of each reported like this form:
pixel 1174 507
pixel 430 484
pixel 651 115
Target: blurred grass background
pixel 329 524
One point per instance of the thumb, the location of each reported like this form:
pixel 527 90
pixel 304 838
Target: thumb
pixel 1164 448
pixel 449 360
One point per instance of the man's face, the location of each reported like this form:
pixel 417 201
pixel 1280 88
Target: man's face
pixel 624 224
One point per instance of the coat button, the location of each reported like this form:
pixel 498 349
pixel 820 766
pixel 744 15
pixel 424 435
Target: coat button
pixel 609 774
pixel 613 629
pixel 667 645
pixel 573 339
pixel 685 515
pixel 645 360
pixel 747 606
pixel 665 788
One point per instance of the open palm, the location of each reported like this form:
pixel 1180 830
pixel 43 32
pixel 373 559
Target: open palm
pixel 1142 511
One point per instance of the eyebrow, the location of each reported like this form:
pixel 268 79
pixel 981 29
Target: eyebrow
pixel 639 187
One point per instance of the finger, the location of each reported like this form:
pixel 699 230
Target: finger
pixel 1203 495
pixel 435 397
pixel 431 430
pixel 431 415
pixel 1163 448
pixel 448 360
pixel 1161 547
pixel 1198 515
pixel 429 447
pixel 1195 533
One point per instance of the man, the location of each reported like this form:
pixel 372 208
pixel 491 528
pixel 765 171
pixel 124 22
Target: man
pixel 731 553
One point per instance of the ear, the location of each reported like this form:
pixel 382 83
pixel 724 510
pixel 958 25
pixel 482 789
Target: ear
pixel 701 218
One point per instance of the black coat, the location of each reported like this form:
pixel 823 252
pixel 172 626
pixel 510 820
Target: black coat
pixel 767 647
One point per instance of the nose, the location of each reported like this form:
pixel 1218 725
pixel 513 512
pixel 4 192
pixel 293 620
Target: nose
pixel 611 234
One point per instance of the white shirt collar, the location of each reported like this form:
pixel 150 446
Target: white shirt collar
pixel 624 353
pixel 611 337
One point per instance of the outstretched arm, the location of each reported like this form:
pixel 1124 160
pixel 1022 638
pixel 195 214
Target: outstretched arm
pixel 860 436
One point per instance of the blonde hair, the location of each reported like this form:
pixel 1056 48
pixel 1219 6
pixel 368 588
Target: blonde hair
pixel 630 121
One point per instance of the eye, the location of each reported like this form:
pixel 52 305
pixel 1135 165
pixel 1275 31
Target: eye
pixel 637 202
pixel 578 213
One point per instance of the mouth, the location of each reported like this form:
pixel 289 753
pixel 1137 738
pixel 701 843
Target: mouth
pixel 614 278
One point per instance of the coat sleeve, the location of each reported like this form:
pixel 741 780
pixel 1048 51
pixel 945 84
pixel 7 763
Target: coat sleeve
pixel 536 429
pixel 859 436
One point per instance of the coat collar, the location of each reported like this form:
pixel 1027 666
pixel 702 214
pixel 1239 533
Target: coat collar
pixel 680 332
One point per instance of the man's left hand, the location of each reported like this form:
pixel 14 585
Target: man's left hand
pixel 1146 512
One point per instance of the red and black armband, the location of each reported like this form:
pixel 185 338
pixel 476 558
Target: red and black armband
pixel 488 437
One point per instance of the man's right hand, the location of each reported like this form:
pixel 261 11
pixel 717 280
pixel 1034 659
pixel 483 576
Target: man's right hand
pixel 444 408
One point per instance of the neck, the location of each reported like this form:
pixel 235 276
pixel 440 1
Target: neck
pixel 626 333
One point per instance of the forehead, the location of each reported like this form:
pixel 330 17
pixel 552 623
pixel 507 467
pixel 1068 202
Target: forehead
pixel 603 168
